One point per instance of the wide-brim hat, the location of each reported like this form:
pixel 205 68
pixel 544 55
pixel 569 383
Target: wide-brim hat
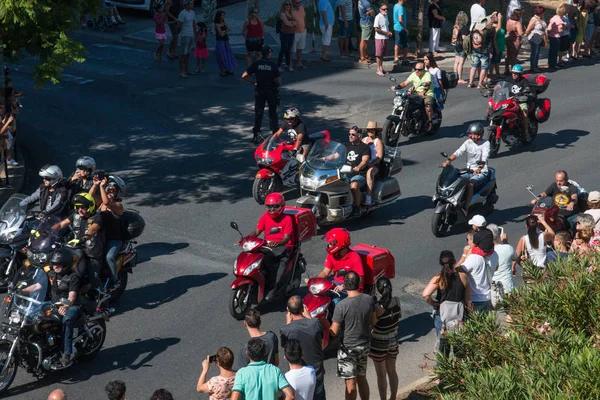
pixel 373 125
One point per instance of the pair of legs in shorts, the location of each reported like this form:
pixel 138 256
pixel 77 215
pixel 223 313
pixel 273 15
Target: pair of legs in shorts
pixel 380 52
pixel 480 60
pixel 476 182
pixel 187 45
pixel 345 30
pixel 365 35
pixel 326 41
pixel 298 46
pixel 352 367
pixel 401 42
pixel 383 352
pixel 356 183
pixel 459 61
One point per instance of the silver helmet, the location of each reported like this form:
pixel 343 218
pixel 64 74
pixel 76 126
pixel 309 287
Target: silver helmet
pixel 86 163
pixel 51 172
pixel 117 183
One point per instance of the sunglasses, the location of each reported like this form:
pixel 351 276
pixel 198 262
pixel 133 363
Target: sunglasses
pixel 353 134
pixel 383 9
pixel 47 179
pixel 273 207
pixel 419 69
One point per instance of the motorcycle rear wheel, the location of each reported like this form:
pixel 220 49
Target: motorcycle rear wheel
pixel 237 305
pixel 115 296
pixel 533 129
pixel 390 138
pixel 494 143
pixel 439 227
pixel 9 377
pixel 263 187
pixel 92 349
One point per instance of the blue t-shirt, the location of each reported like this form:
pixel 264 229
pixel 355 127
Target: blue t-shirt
pixel 399 10
pixel 363 7
pixel 325 5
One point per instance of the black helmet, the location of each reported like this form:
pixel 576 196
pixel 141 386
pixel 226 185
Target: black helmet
pixel 266 50
pixel 61 257
pixel 475 129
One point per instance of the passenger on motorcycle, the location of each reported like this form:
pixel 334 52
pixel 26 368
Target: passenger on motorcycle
pixel 88 229
pixel 112 190
pixel 422 84
pixel 81 180
pixel 478 151
pixel 521 91
pixel 341 257
pixel 564 194
pixel 377 151
pixel 279 231
pixel 52 193
pixel 295 129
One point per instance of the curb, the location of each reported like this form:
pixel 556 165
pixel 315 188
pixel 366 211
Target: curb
pixel 406 390
pixel 16 182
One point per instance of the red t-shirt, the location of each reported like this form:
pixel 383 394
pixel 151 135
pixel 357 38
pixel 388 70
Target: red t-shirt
pixel 285 225
pixel 350 262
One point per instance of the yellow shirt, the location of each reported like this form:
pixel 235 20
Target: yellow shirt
pixel 414 79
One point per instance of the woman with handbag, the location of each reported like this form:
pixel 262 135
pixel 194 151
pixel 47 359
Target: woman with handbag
pixel 536 34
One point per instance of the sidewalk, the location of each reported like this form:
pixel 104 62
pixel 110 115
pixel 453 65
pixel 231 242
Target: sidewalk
pixel 16 177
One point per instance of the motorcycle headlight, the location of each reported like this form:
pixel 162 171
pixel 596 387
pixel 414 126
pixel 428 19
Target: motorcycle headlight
pixel 14 318
pixel 397 101
pixel 503 107
pixel 445 192
pixel 252 267
pixel 309 182
pixel 250 245
pixel 316 288
pixel 318 310
pixel 264 161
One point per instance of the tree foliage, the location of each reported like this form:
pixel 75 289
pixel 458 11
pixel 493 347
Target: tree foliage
pixel 549 349
pixel 40 28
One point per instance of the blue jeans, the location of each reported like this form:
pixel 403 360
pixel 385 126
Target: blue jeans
pixel 68 323
pixel 554 45
pixel 113 247
pixel 319 390
pixel 534 57
pixel 287 40
pixel 342 295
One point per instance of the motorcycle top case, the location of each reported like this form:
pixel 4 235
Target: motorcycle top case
pixel 132 224
pixel 542 110
pixel 449 80
pixel 304 222
pixel 378 262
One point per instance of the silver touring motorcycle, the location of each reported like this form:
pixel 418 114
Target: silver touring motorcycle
pixel 325 187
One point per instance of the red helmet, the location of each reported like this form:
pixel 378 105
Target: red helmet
pixel 337 239
pixel 275 204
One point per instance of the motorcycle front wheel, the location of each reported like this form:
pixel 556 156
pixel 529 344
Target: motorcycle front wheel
pixel 494 143
pixel 389 134
pixel 263 187
pixel 9 375
pixel 439 227
pixel 239 302
pixel 115 295
pixel 533 129
pixel 94 344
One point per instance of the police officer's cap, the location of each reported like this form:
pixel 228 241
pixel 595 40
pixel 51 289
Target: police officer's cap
pixel 266 50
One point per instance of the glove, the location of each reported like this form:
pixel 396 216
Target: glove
pixel 73 242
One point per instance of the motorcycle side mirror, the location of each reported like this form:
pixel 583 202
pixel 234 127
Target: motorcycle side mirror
pixel 341 273
pixel 346 169
pixel 529 187
pixel 274 231
pixel 233 225
pixel 392 79
pixel 445 155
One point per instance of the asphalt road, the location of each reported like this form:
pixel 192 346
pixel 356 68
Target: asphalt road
pixel 183 148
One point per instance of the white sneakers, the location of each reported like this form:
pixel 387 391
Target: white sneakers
pixel 12 162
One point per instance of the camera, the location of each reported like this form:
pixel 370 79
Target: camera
pixel 100 175
pixel 212 359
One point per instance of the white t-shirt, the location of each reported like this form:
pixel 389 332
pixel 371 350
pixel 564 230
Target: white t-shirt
pixel 596 214
pixel 303 381
pixel 537 256
pixel 438 74
pixel 506 255
pixel 381 22
pixel 477 13
pixel 188 18
pixel 475 266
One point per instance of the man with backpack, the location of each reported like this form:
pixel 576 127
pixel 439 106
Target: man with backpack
pixel 483 35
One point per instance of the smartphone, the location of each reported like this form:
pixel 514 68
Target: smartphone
pixel 212 359
pixel 501 231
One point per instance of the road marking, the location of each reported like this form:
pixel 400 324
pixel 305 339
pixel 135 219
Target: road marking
pixel 116 46
pixel 75 79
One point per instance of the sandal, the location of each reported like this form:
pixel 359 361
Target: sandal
pixel 481 87
pixel 172 57
pixel 326 59
pixel 470 86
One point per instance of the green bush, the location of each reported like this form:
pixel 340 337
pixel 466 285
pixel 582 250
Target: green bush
pixel 548 349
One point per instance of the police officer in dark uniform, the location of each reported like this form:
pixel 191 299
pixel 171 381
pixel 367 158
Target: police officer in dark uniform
pixel 266 81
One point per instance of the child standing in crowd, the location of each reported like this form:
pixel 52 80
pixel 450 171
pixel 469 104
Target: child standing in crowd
pixel 201 50
pixel 160 31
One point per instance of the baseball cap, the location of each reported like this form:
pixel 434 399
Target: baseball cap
pixel 594 197
pixel 478 221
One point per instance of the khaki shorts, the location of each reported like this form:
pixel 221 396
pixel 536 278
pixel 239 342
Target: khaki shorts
pixel 366 32
pixel 428 100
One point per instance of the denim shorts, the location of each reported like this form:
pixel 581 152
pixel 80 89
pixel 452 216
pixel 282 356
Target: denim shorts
pixel 480 60
pixel 478 179
pixel 362 181
pixel 401 38
pixel 460 52
pixel 343 32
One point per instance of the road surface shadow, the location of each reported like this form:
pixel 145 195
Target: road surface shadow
pixel 394 214
pixel 147 251
pixel 154 295
pixel 562 139
pixel 134 355
pixel 455 131
pixel 414 327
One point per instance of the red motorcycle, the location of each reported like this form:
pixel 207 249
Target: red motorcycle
pixel 279 169
pixel 250 285
pixel 378 262
pixel 504 113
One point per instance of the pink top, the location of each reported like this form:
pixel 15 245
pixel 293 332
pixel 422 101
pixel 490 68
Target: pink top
pixel 200 40
pixel 160 23
pixel 220 387
pixel 553 26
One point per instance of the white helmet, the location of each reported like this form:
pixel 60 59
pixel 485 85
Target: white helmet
pixel 117 183
pixel 51 172
pixel 87 164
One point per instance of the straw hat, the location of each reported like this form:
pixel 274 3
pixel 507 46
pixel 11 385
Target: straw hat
pixel 373 125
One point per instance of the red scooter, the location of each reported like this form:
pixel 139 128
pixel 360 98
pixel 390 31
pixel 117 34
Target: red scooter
pixel 377 262
pixel 504 113
pixel 278 168
pixel 250 284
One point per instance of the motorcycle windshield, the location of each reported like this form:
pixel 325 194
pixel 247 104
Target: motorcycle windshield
pixel 30 305
pixel 272 143
pixel 502 92
pixel 448 176
pixel 42 239
pixel 327 155
pixel 11 213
